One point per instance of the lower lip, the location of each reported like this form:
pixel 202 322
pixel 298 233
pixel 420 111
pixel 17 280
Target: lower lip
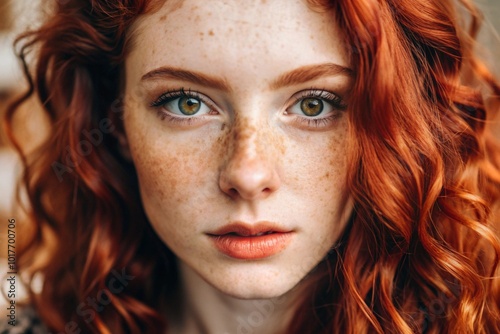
pixel 252 247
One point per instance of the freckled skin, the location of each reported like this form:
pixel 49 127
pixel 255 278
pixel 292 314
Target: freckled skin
pixel 251 161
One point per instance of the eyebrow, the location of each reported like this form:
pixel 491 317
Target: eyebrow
pixel 294 77
pixel 310 72
pixel 194 77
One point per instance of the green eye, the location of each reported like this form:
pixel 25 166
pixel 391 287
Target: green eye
pixel 315 108
pixel 311 106
pixel 189 105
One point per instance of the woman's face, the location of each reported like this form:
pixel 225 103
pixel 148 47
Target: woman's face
pixel 236 119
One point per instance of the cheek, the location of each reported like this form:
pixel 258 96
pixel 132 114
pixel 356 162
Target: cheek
pixel 172 175
pixel 333 178
pixel 321 167
pixel 171 170
pixel 171 178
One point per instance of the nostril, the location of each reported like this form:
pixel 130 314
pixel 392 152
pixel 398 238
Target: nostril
pixel 250 179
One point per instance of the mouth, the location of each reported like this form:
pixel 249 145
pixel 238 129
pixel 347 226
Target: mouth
pixel 251 241
pixel 249 230
pixel 251 235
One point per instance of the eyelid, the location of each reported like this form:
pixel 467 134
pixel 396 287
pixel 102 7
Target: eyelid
pixel 170 116
pixel 322 121
pixel 334 99
pixel 177 93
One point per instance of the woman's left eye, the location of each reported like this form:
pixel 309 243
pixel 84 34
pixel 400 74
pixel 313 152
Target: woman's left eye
pixel 317 104
pixel 312 106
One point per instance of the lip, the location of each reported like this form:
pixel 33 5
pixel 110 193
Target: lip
pixel 251 241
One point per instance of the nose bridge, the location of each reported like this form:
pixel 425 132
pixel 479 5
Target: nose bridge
pixel 248 140
pixel 250 171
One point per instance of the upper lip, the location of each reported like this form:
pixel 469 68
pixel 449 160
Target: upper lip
pixel 249 229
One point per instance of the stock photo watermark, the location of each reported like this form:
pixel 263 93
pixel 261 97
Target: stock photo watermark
pixel 88 309
pixel 264 309
pixel 94 137
pixel 11 276
pixel 84 147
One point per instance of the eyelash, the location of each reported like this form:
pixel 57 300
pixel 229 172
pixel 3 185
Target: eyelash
pixel 175 94
pixel 334 100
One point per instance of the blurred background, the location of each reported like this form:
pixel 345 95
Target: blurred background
pixel 15 16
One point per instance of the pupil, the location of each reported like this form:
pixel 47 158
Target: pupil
pixel 311 106
pixel 189 105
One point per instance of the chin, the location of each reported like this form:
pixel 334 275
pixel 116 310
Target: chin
pixel 248 293
pixel 255 286
pixel 245 280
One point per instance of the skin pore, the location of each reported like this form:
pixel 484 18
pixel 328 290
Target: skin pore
pixel 236 112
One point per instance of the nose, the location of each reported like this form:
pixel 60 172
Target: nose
pixel 251 171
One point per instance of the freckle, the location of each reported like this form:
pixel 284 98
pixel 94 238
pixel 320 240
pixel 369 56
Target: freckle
pixel 163 18
pixel 161 190
pixel 181 200
pixel 280 143
pixel 223 126
pixel 211 32
pixel 171 184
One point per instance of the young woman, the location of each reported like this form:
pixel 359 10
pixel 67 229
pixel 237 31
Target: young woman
pixel 262 167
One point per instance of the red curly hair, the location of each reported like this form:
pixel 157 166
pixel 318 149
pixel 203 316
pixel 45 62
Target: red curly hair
pixel 421 251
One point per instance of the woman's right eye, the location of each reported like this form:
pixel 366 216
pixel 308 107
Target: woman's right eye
pixel 182 104
pixel 187 106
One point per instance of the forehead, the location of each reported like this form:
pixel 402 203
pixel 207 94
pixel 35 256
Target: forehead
pixel 263 35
